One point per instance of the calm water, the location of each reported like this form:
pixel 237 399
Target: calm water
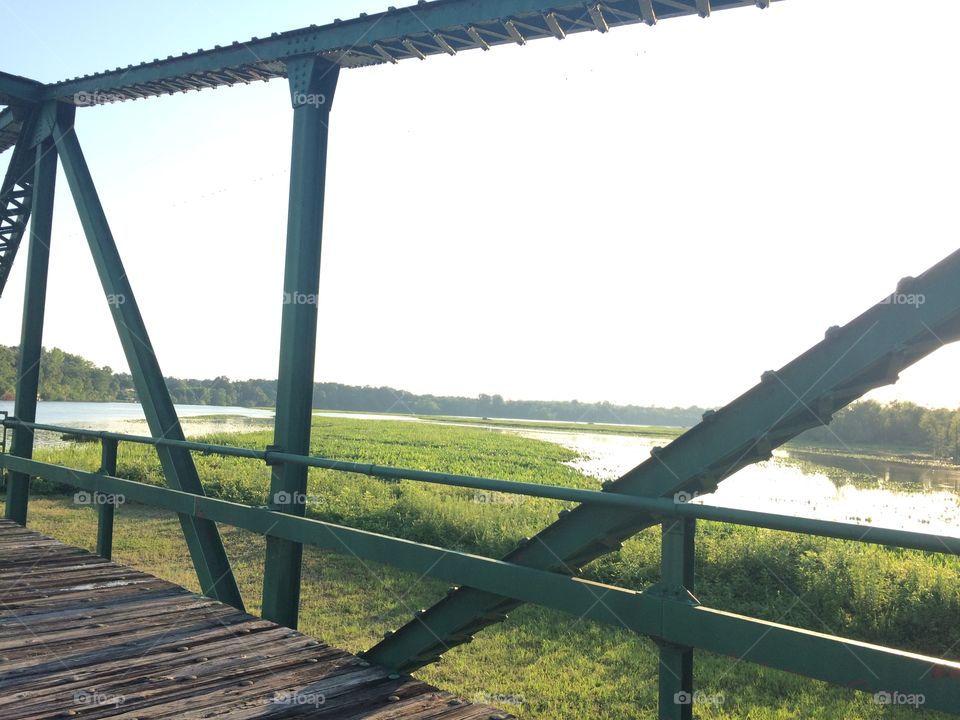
pixel 780 486
pixel 54 413
pixel 365 416
pixel 923 476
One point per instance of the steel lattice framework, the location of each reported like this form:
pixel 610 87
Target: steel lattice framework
pixel 866 353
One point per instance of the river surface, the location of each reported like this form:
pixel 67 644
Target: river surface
pixel 54 413
pixel 124 417
pixel 875 491
pixel 869 491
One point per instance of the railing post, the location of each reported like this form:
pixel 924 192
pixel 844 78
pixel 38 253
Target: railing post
pixel 312 84
pixel 31 335
pixel 676 580
pixel 105 503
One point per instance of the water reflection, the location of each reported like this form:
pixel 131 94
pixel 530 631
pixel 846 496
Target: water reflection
pixel 890 471
pixel 882 496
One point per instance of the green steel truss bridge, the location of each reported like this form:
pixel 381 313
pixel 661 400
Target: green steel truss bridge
pixel 866 353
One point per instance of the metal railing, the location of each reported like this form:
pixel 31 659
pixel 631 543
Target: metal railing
pixel 667 612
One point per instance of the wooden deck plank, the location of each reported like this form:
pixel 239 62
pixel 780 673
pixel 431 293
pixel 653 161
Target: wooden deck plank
pixel 83 637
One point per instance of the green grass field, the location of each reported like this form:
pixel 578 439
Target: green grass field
pixel 539 664
pixel 663 431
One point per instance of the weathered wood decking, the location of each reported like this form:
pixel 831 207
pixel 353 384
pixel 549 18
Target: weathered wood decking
pixel 84 637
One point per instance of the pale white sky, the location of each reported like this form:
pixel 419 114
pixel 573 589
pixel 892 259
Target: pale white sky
pixel 655 215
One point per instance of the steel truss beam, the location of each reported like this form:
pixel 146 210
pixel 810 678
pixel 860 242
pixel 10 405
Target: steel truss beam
pixel 16 90
pixel 38 194
pixel 313 82
pixel 10 125
pixel 868 352
pixel 203 538
pixel 16 194
pixel 443 26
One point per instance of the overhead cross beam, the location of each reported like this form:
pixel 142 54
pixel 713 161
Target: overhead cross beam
pixel 440 27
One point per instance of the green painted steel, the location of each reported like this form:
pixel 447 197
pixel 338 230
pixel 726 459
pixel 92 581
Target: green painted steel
pixel 840 661
pixel 866 353
pixel 312 85
pixel 582 598
pixel 435 28
pixel 16 90
pixel 670 618
pixel 226 450
pixel 11 122
pixel 8 120
pixel 676 696
pixel 203 538
pixel 657 506
pixel 106 504
pixel 16 195
pixel 34 306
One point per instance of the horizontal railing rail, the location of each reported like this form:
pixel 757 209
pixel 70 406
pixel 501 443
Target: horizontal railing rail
pixel 666 613
pixel 665 507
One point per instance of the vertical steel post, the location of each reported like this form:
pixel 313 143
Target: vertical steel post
pixel 202 536
pixel 105 504
pixel 31 333
pixel 676 578
pixel 312 85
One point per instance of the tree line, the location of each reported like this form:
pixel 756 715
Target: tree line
pixel 64 376
pixel 894 426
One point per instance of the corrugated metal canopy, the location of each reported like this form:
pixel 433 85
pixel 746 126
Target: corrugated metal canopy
pixel 428 28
